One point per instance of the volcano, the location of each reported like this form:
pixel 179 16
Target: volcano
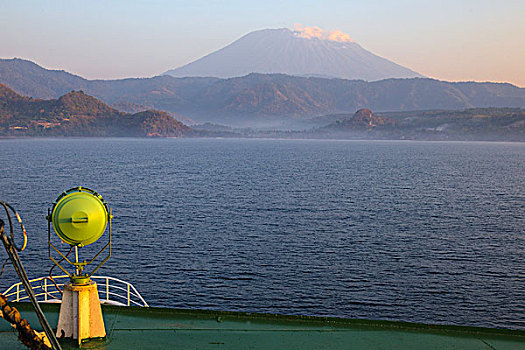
pixel 308 51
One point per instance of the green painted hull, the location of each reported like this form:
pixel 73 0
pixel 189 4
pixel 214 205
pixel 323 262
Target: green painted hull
pixel 161 328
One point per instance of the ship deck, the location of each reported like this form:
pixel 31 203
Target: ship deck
pixel 161 328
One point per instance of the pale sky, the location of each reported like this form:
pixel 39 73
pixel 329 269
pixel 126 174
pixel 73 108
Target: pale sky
pixel 479 40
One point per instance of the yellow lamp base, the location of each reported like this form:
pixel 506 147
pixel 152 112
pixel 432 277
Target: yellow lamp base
pixel 80 313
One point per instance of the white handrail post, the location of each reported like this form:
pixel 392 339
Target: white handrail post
pixel 107 289
pixel 128 293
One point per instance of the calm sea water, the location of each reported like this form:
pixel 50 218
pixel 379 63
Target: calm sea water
pixel 416 231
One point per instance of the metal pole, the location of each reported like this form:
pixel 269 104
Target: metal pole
pixel 76 260
pixel 19 268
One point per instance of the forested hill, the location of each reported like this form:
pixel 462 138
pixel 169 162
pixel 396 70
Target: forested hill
pixel 261 97
pixel 481 124
pixel 78 114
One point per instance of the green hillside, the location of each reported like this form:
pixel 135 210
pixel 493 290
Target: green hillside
pixel 78 114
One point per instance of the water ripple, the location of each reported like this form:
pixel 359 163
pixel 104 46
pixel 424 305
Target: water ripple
pixel 415 231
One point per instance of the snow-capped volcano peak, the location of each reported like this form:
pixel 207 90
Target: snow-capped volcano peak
pixel 315 32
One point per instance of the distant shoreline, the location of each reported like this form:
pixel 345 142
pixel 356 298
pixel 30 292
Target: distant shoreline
pixel 5 138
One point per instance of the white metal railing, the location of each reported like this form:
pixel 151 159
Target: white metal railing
pixel 110 291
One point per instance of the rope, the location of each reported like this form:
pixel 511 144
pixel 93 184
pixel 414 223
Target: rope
pixel 26 334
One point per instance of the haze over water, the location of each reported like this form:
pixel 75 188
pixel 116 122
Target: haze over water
pixel 417 231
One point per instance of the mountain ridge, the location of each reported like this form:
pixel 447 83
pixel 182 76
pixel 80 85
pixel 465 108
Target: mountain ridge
pixel 78 114
pixel 262 98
